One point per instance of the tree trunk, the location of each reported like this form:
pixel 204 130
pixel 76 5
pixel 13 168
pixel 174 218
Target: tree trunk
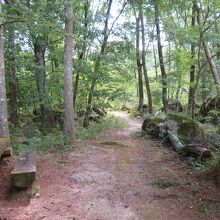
pixel 139 66
pixel 11 70
pixel 147 83
pixel 89 104
pixel 82 53
pixel 177 97
pixel 46 111
pixel 191 98
pixel 68 68
pixel 4 130
pixel 160 52
pixel 155 62
pixel 208 54
pixel 97 65
pixel 218 43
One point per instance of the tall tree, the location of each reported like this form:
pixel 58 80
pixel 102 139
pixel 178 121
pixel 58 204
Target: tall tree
pixel 139 64
pixel 39 38
pixel 191 98
pixel 106 33
pixel 138 61
pixel 81 53
pixel 147 83
pixel 11 71
pixel 207 50
pixel 68 63
pixel 4 131
pixel 160 53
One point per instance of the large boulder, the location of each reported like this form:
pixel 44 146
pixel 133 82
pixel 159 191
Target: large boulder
pixel 188 131
pixel 151 125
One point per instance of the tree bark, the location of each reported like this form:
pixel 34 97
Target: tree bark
pixel 46 111
pixel 208 54
pixel 11 70
pixel 82 53
pixel 218 43
pixel 139 65
pixel 4 130
pixel 155 62
pixel 191 98
pixel 147 83
pixel 160 52
pixel 68 68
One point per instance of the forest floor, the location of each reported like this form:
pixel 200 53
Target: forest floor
pixel 117 176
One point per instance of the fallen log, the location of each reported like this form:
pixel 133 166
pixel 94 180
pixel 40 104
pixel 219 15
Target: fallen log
pixel 196 149
pixel 24 171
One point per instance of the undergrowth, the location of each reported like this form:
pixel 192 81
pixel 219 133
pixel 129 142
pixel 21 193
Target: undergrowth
pixel 30 137
pixel 96 128
pixel 213 137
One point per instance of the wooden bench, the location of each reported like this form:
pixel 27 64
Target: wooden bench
pixel 24 171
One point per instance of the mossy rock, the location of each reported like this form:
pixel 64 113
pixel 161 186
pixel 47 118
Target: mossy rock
pixel 151 125
pixel 188 131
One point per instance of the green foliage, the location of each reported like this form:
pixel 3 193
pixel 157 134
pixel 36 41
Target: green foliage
pixel 96 128
pixel 42 23
pixel 53 142
pixel 50 143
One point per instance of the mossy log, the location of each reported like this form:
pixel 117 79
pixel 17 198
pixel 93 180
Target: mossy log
pixel 196 149
pixel 178 128
pixel 24 171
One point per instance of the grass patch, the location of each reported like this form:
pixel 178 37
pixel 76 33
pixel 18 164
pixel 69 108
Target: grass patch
pixel 106 124
pixel 50 143
pixel 30 138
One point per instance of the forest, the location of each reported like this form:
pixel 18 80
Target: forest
pixel 74 71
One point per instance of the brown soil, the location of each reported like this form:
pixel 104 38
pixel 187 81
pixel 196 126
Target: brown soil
pixel 113 177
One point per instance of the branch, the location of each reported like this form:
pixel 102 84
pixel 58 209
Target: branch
pixel 110 30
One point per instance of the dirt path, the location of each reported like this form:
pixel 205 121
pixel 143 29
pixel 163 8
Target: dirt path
pixel 114 178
